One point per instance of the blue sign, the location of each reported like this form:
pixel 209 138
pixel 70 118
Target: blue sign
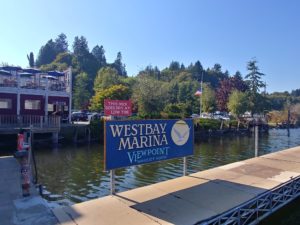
pixel 137 142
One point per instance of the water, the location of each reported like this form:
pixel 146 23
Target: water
pixel 75 174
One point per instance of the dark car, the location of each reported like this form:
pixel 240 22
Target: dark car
pixel 79 116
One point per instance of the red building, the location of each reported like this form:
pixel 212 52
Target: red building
pixel 33 92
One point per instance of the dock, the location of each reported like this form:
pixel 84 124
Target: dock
pixel 18 210
pixel 239 193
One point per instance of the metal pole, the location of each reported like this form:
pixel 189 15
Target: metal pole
pixel 200 106
pixel 256 140
pixel 184 166
pixel 201 87
pixel 112 182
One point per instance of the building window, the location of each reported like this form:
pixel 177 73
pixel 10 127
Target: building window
pixel 33 104
pixel 5 103
pixel 50 107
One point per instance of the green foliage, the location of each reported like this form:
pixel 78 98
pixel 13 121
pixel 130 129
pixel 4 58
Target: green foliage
pixel 81 93
pixel 105 78
pixel 115 92
pixel 80 46
pixel 47 53
pixel 97 129
pixel 254 77
pixel 149 96
pixel 238 103
pixel 64 57
pixel 51 49
pixel 208 99
pixel 61 43
pixel 172 111
pixel 208 124
pixel 98 53
pixel 119 66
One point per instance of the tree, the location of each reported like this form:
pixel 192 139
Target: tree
pixel 178 110
pixel 80 46
pixel 225 88
pixel 295 93
pixel 222 94
pixel 99 54
pixel 237 104
pixel 30 58
pixel 47 53
pixel 217 68
pixel 61 43
pixel 196 70
pixel 81 94
pixel 106 78
pixel 65 57
pixel 115 92
pixel 150 96
pixel 119 66
pixel 255 83
pixel 238 83
pixel 174 65
pixel 208 98
pixel 254 77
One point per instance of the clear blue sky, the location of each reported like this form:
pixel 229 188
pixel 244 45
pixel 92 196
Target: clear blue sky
pixel 229 32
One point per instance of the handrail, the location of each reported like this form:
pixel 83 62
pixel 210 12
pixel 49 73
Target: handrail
pixel 26 121
pixel 259 207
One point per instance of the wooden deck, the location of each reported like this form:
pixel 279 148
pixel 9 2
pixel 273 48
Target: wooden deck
pixel 189 199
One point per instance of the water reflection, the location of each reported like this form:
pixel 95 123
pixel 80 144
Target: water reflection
pixel 75 173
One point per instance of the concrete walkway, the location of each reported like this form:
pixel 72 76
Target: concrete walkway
pixel 189 199
pixel 15 209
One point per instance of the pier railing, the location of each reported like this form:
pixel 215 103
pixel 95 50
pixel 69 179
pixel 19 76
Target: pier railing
pixel 256 209
pixel 29 121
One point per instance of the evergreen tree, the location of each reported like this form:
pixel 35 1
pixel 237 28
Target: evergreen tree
pixel 253 78
pixel 174 65
pixel 30 58
pixel 254 83
pixel 61 43
pixel 47 53
pixel 80 47
pixel 119 66
pixel 99 54
pixel 196 71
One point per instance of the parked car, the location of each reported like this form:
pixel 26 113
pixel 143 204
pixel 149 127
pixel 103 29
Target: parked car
pixel 79 116
pixel 94 116
pixel 206 115
pixel 194 116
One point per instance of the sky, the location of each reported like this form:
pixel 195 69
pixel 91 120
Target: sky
pixel 156 32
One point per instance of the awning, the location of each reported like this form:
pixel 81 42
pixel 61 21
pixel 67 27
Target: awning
pixel 50 77
pixel 55 73
pixel 26 74
pixel 32 70
pixel 11 68
pixel 4 72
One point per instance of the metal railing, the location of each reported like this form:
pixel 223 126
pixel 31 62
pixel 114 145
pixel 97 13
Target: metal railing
pixel 29 121
pixel 256 209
